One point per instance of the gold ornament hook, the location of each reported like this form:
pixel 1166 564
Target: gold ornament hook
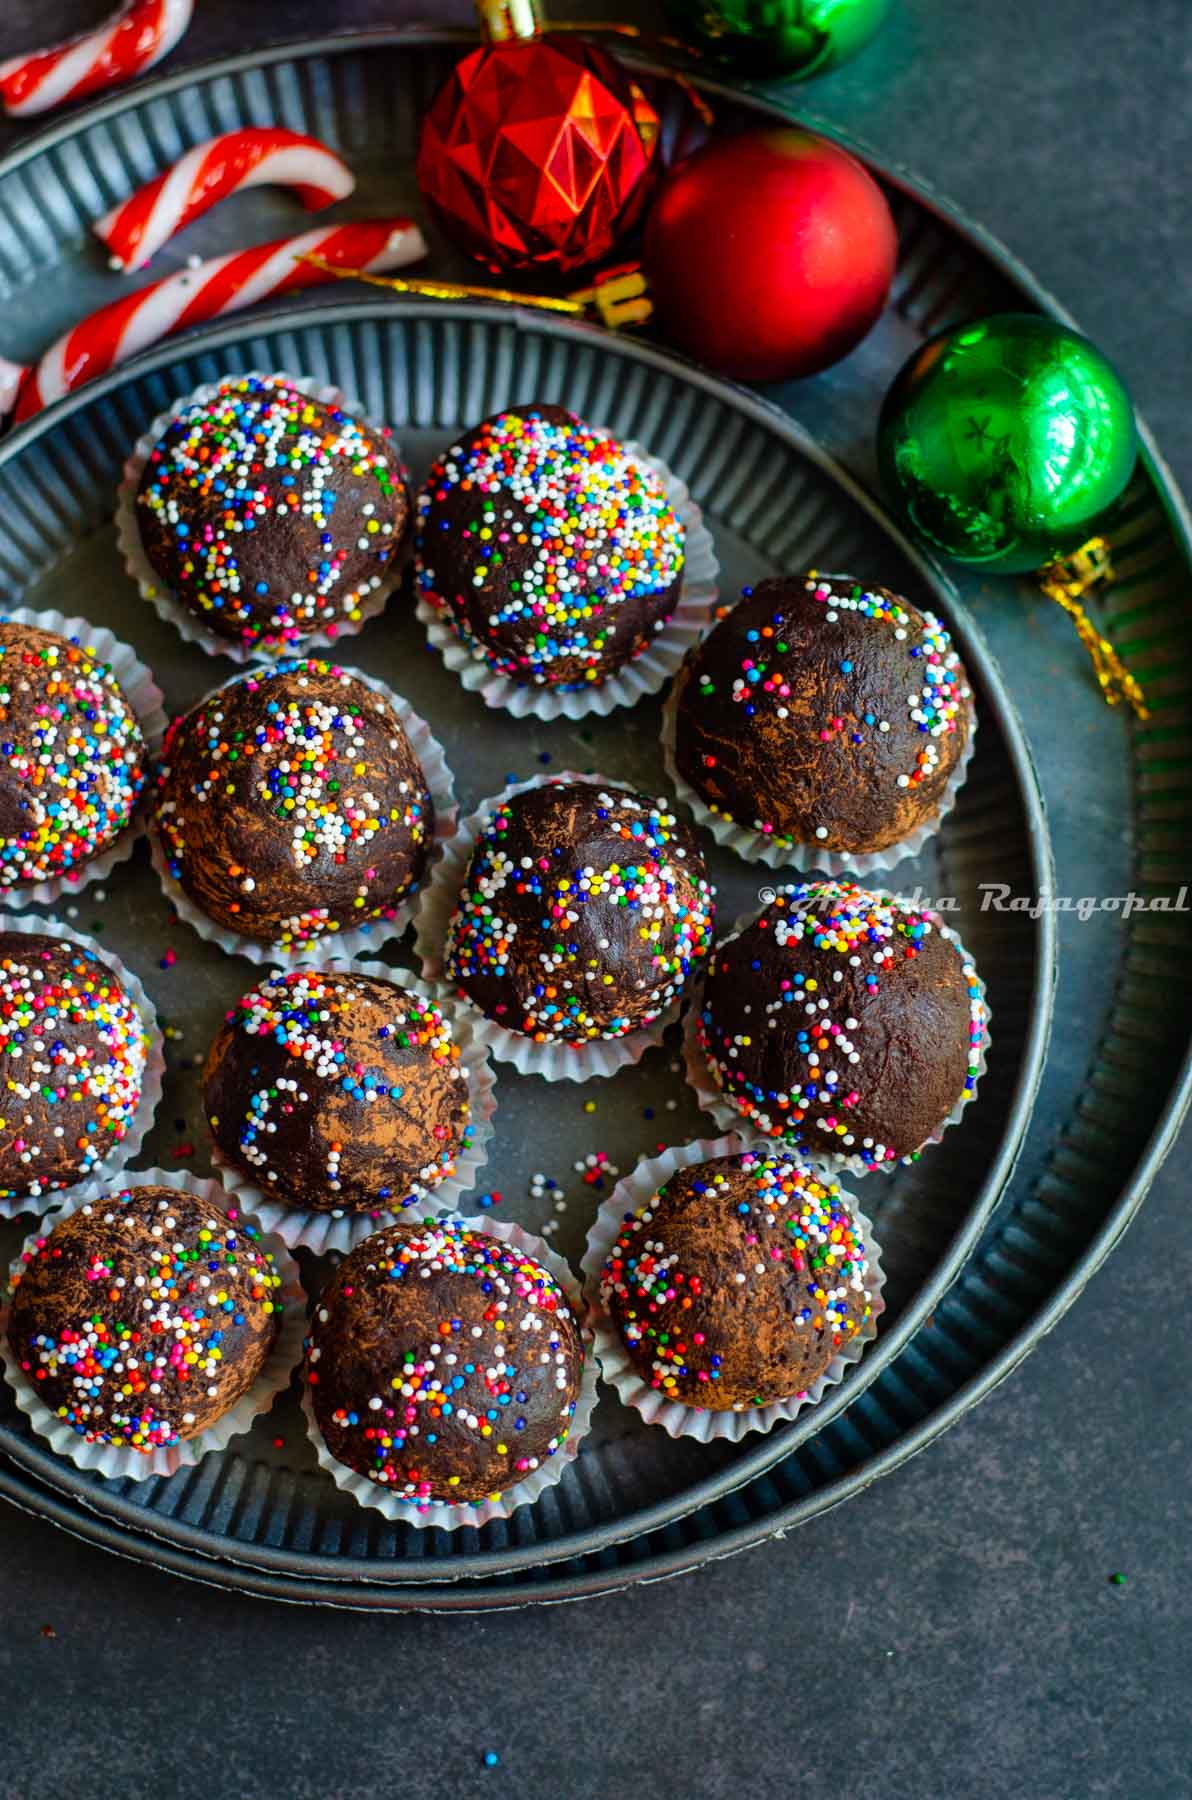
pixel 1065 581
pixel 617 298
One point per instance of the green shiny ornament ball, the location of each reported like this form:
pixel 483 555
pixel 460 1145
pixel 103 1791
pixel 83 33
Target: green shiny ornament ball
pixel 1002 443
pixel 795 38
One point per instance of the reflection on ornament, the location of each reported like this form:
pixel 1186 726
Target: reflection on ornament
pixel 795 38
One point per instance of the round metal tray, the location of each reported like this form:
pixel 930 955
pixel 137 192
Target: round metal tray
pixel 773 501
pixel 1077 1179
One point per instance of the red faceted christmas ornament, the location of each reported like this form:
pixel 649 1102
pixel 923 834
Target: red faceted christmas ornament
pixel 769 255
pixel 536 151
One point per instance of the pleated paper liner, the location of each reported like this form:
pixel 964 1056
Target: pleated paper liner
pixel 557 1061
pixel 807 859
pixel 341 1230
pixel 346 941
pixel 646 674
pixel 152 1069
pixel 147 702
pixel 637 1190
pixel 174 611
pixel 713 1100
pixel 439 1513
pixel 111 1460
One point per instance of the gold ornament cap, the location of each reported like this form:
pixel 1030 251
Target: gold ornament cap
pixel 501 21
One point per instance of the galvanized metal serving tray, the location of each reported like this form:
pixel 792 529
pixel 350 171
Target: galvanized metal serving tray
pixel 971 1287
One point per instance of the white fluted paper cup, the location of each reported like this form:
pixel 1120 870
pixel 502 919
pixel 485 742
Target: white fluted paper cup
pixel 808 859
pixel 149 1074
pixel 174 611
pixel 438 1513
pixel 648 672
pixel 714 1101
pixel 111 1460
pixel 556 1061
pixel 321 1232
pixel 347 942
pixel 631 1195
pixel 147 702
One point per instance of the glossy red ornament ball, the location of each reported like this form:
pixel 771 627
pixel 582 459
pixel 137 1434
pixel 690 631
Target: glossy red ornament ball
pixel 769 255
pixel 535 154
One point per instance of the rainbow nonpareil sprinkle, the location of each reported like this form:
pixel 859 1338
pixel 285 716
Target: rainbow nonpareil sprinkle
pixel 73 1049
pixel 565 526
pixel 738 1268
pixel 541 923
pixel 501 1343
pixel 821 953
pixel 73 761
pixel 259 456
pixel 179 1290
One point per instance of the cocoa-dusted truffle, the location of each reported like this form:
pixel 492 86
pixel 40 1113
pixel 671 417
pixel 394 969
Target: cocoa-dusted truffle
pixel 843 1021
pixel 72 758
pixel 290 803
pixel 337 1092
pixel 822 712
pixel 269 514
pixel 739 1281
pixel 582 914
pixel 142 1317
pixel 443 1364
pixel 552 548
pixel 73 1049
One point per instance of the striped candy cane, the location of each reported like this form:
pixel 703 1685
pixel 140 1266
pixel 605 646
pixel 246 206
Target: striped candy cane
pixel 224 284
pixel 131 40
pixel 11 376
pixel 140 225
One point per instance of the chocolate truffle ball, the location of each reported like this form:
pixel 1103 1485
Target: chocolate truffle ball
pixel 73 1049
pixel 583 912
pixel 72 758
pixel 843 1021
pixel 553 549
pixel 739 1281
pixel 270 515
pixel 337 1092
pixel 443 1364
pixel 144 1316
pixel 290 803
pixel 824 713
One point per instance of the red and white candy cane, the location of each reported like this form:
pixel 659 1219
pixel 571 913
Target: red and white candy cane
pixel 129 41
pixel 222 285
pixel 11 376
pixel 140 225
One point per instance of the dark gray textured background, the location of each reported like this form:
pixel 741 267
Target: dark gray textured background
pixel 953 1632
